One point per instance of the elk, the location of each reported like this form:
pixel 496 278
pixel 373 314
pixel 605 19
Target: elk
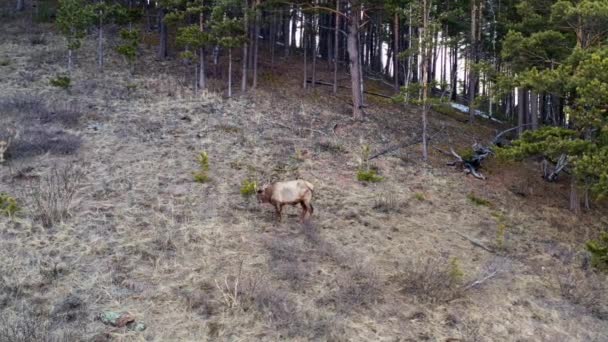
pixel 290 192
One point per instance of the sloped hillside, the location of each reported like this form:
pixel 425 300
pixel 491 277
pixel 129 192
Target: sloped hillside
pixel 425 254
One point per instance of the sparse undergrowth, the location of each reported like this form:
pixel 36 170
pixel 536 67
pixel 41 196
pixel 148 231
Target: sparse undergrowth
pixel 8 205
pixel 599 251
pixel 248 188
pixel 433 279
pixel 202 176
pixel 52 195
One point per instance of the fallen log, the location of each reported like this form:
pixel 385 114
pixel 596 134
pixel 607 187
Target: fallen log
pixel 345 87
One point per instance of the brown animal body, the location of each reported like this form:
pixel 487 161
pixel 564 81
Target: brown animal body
pixel 290 192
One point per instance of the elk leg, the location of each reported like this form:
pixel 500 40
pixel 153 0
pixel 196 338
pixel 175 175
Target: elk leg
pixel 304 211
pixel 279 211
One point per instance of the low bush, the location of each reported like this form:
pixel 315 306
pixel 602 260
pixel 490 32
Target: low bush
pixel 52 195
pixel 8 205
pixel 585 289
pixel 599 251
pixel 478 200
pixel 368 176
pixel 38 141
pixel 248 188
pixel 432 279
pixel 27 109
pixel 387 204
pixel 63 82
pixel 201 175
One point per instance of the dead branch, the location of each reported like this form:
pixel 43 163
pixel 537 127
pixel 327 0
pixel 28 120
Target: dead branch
pixel 407 144
pixel 475 242
pixel 294 128
pixel 345 87
pixel 561 164
pixel 481 281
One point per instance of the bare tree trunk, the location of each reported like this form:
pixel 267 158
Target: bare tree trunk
pixel 20 5
pixel 408 77
pixel 336 46
pixel 313 41
pixel 396 52
pixel 245 48
pixel 162 48
pixel 534 110
pixel 100 43
pixel 521 110
pixel 257 43
pixel 425 74
pixel 294 24
pixel 202 82
pixel 355 62
pixel 305 48
pixel 273 37
pixel 575 201
pixel 69 60
pixel 472 61
pixel 230 72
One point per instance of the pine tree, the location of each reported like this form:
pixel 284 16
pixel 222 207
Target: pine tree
pixel 73 19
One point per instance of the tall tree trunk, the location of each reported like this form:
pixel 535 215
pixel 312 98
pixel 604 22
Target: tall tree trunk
pixel 245 47
pixel 286 22
pixel 534 110
pixel 354 59
pixel 396 36
pixel 162 48
pixel 20 5
pixel 273 36
pixel 425 74
pixel 100 42
pixel 313 43
pixel 69 60
pixel 454 73
pixel 472 61
pixel 305 47
pixel 230 72
pixel 257 43
pixel 294 25
pixel 408 77
pixel 575 201
pixel 202 82
pixel 521 109
pixel 336 47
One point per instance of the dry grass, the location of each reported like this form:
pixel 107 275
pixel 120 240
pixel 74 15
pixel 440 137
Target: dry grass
pixel 52 195
pixel 434 280
pixel 142 236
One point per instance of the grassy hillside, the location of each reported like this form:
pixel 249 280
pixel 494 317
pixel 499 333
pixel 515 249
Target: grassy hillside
pixel 426 254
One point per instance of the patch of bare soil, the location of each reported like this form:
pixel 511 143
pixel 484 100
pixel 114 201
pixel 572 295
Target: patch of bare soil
pixel 426 254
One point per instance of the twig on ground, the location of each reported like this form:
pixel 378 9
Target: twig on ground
pixel 475 242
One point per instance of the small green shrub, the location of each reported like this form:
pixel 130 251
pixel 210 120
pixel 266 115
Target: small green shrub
pixel 201 176
pixel 456 273
pixel 248 188
pixel 419 196
pixel 5 62
pixel 365 173
pixel 203 161
pixel 478 200
pixel 599 252
pixel 368 176
pixel 8 205
pixel 63 82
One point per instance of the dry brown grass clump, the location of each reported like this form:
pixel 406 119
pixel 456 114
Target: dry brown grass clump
pixel 431 279
pixel 583 288
pixel 52 195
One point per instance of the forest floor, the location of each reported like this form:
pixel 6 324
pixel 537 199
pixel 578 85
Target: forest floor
pixel 427 254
